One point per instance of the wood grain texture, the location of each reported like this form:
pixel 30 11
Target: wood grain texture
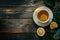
pixel 16 25
pixel 23 11
pixel 19 21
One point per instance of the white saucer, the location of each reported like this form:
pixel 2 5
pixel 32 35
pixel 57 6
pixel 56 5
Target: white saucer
pixel 50 16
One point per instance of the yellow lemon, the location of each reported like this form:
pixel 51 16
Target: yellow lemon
pixel 53 25
pixel 37 10
pixel 40 31
pixel 43 18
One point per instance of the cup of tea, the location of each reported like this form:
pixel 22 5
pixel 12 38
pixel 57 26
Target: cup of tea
pixel 42 16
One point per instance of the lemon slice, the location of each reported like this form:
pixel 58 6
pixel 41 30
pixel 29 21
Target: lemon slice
pixel 40 31
pixel 43 17
pixel 37 10
pixel 53 25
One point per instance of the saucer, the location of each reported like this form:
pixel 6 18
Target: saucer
pixel 38 10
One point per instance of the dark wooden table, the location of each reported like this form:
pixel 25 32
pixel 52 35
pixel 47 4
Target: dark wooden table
pixel 18 25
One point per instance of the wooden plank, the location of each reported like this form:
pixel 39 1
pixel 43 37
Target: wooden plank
pixel 16 25
pixel 23 13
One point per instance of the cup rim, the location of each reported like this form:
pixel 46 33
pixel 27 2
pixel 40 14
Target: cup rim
pixel 41 21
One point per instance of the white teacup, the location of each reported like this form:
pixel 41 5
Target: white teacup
pixel 48 12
